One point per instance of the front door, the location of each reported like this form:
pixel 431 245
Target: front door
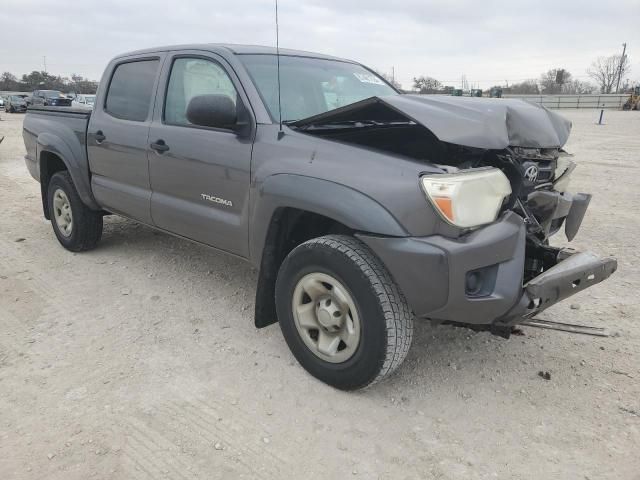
pixel 199 176
pixel 118 137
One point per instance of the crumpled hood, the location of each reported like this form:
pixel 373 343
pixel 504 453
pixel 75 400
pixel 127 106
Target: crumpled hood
pixel 491 123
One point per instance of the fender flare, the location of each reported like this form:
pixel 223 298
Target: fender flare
pixel 339 202
pixel 78 167
pixel 336 201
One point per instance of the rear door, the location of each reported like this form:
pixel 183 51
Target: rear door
pixel 200 178
pixel 117 137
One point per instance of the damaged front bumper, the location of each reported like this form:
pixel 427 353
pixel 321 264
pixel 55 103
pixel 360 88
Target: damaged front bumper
pixel 479 278
pixel 558 208
pixel 576 272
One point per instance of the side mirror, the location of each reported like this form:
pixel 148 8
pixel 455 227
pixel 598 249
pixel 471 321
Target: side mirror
pixel 217 111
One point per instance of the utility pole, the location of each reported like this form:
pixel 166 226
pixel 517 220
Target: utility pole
pixel 44 60
pixel 624 50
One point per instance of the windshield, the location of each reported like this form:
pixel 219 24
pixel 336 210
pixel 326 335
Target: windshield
pixel 310 85
pixel 16 98
pixel 52 94
pixel 90 99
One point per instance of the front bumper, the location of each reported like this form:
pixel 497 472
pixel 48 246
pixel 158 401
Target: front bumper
pixel 478 278
pixel 572 275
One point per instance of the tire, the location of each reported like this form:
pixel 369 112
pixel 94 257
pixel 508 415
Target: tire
pixel 85 224
pixel 377 328
pixel 12 110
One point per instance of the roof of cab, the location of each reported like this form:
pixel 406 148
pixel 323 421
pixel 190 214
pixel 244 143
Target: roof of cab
pixel 236 50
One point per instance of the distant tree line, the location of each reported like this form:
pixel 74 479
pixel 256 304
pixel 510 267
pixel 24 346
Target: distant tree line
pixel 605 72
pixel 45 81
pixel 554 81
pixel 425 84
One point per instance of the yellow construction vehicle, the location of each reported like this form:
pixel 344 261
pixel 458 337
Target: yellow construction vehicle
pixel 634 100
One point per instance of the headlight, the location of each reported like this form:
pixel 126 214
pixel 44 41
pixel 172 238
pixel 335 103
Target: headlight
pixel 562 174
pixel 469 198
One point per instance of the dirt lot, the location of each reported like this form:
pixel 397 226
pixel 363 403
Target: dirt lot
pixel 139 360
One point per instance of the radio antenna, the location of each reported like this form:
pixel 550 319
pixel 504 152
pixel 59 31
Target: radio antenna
pixel 280 132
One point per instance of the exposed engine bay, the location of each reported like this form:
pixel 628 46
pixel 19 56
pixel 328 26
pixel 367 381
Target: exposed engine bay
pixel 523 140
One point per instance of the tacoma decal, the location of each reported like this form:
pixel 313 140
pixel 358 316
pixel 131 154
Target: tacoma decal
pixel 221 201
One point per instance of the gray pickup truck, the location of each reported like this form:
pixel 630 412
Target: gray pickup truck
pixel 363 208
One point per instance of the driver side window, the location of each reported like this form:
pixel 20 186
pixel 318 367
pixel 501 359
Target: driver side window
pixel 191 77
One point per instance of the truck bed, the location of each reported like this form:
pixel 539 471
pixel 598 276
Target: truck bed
pixel 58 133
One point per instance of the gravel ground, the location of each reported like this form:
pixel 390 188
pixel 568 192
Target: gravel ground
pixel 139 360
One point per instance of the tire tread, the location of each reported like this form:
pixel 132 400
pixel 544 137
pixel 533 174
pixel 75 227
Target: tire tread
pixel 86 222
pixel 398 316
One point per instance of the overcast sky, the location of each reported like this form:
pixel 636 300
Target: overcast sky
pixel 489 41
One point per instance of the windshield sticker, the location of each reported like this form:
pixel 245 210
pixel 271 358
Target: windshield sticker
pixel 368 78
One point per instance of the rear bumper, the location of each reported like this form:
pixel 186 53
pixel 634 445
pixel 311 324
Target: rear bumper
pixel 478 278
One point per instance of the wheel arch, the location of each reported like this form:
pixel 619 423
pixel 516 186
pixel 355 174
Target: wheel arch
pixel 49 164
pixel 53 154
pixel 292 209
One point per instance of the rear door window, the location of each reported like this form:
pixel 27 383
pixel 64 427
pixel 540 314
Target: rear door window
pixel 131 90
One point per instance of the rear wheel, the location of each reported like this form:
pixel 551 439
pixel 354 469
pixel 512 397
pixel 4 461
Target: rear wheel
pixel 77 227
pixel 340 312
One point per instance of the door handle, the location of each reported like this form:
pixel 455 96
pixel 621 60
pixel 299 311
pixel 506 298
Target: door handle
pixel 159 146
pixel 99 137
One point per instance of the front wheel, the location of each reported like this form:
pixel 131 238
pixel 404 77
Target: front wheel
pixel 341 313
pixel 77 227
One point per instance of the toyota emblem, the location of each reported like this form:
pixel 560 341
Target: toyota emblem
pixel 531 173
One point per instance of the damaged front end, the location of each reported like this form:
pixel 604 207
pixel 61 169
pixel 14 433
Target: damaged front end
pixel 540 178
pixel 472 135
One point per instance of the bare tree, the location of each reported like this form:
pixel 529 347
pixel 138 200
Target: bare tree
pixel 605 71
pixel 577 87
pixel 528 87
pixel 552 81
pixel 426 84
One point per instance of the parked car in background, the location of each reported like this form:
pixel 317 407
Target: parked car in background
pixel 2 101
pixel 84 101
pixel 49 98
pixel 15 103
